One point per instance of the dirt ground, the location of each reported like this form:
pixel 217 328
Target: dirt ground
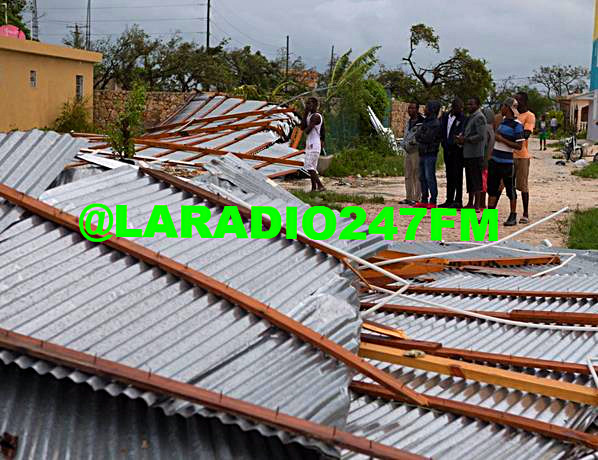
pixel 552 187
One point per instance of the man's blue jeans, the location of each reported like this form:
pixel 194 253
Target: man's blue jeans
pixel 427 178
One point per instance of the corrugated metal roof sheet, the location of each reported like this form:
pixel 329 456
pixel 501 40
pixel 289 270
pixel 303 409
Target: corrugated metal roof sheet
pixel 237 177
pixel 268 141
pixel 445 436
pixel 92 299
pixel 585 261
pixel 30 161
pixel 578 283
pixel 473 334
pixel 95 300
pixel 59 420
pixel 542 408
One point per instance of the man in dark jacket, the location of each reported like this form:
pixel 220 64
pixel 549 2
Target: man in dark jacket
pixel 428 139
pixel 473 140
pixel 452 124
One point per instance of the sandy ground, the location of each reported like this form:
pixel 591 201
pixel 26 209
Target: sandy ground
pixel 552 187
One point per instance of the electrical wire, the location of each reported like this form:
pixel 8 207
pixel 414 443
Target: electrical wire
pixel 223 17
pixel 406 283
pixel 122 6
pixel 473 249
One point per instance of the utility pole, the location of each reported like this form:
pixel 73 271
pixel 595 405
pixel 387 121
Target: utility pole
pixel 208 27
pixel 287 67
pixel 34 21
pixel 88 27
pixel 5 5
pixel 331 60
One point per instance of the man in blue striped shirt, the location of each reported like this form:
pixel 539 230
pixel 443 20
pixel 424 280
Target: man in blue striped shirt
pixel 509 138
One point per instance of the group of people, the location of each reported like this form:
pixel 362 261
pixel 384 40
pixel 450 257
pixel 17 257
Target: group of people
pixel 491 149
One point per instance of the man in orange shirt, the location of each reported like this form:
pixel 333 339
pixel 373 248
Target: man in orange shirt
pixel 522 157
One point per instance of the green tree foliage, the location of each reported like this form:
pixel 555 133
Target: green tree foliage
pixel 15 15
pixel 133 56
pixel 538 102
pixel 349 75
pixel 128 123
pixel 74 116
pixel 187 65
pixel 561 80
pixel 349 93
pixel 460 75
pixel 178 65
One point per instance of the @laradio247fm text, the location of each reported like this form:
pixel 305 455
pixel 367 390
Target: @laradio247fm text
pixel 97 222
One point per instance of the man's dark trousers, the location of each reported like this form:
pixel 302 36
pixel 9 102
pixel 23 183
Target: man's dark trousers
pixel 453 160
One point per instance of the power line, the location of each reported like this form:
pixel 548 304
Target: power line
pixel 222 16
pixel 99 34
pixel 123 7
pixel 62 21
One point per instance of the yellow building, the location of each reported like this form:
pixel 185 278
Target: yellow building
pixel 36 79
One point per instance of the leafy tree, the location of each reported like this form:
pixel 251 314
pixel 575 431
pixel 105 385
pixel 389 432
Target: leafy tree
pixel 460 75
pixel 74 116
pixel 15 15
pixel 538 102
pixel 129 123
pixel 347 75
pixel 134 56
pixel 253 69
pixel 187 65
pixel 561 80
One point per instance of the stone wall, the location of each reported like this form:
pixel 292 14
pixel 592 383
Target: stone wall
pixel 159 106
pixel 398 117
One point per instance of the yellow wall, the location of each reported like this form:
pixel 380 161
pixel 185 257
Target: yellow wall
pixel 24 107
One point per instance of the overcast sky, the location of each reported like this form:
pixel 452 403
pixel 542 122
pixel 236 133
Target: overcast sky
pixel 514 36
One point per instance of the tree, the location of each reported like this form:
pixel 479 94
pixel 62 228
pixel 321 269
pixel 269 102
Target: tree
pixel 74 116
pixel 537 102
pixel 74 39
pixel 349 94
pixel 15 15
pixel 347 75
pixel 461 75
pixel 129 123
pixel 253 69
pixel 561 80
pixel 134 56
pixel 187 65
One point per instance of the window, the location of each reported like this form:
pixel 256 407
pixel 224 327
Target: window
pixel 33 78
pixel 79 86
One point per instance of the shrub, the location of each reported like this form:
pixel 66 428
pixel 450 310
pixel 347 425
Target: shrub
pixel 583 231
pixel 128 123
pixel 589 172
pixel 74 116
pixel 368 157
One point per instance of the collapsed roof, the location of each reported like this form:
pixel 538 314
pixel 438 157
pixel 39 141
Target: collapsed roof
pixel 278 324
pixel 212 125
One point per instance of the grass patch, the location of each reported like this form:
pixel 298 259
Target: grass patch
pixel 589 172
pixel 583 230
pixel 335 200
pixel 368 157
